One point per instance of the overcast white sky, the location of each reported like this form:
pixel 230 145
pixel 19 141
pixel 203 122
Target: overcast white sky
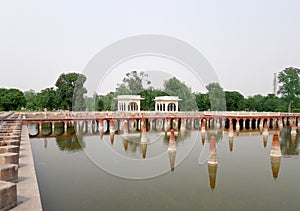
pixel 246 42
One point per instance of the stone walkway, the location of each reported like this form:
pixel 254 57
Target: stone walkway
pixel 27 188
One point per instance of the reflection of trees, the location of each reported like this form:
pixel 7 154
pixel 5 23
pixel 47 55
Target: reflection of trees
pixel 72 143
pixel 287 144
pixel 46 129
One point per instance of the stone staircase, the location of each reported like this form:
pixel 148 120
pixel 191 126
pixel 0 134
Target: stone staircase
pixel 10 136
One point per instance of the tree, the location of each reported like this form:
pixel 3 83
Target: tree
pixel 235 101
pixel 30 97
pixel 273 103
pixel 107 102
pixel 174 87
pixel 290 85
pixel 11 99
pixel 132 83
pixel 148 103
pixel 70 91
pixel 202 101
pixel 47 98
pixel 100 105
pixel 216 97
pixel 255 103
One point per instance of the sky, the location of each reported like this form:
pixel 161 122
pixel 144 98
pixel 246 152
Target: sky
pixel 245 42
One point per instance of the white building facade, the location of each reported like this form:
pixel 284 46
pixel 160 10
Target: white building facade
pixel 129 102
pixel 166 103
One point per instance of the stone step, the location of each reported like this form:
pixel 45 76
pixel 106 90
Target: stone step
pixel 8 195
pixel 9 157
pixel 9 172
pixel 18 137
pixel 9 148
pixel 11 142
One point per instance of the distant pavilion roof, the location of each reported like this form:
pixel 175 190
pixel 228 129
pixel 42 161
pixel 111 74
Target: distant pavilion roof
pixel 167 98
pixel 129 97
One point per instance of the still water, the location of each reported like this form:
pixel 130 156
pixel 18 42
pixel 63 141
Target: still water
pixel 75 173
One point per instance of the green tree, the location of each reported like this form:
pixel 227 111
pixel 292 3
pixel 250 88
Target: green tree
pixel 107 102
pixel 273 103
pixel 174 87
pixel 202 101
pixel 132 83
pixel 47 98
pixel 290 85
pixel 255 103
pixel 148 103
pixel 216 97
pixel 235 101
pixel 30 97
pixel 70 91
pixel 100 105
pixel 11 99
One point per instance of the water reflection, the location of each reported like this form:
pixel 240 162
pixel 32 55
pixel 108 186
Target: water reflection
pixel 230 140
pixel 212 172
pixel 172 150
pixel 275 165
pixel 125 144
pixel 289 143
pixel 252 157
pixel 212 163
pixel 137 144
pixel 144 141
pixel 72 143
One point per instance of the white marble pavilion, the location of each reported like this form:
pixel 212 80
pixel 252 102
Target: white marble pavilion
pixel 129 102
pixel 166 103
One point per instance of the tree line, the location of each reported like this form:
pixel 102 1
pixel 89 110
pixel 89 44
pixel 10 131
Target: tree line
pixel 69 94
pixel 215 98
pixel 67 88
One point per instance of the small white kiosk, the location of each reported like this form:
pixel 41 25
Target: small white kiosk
pixel 129 102
pixel 166 103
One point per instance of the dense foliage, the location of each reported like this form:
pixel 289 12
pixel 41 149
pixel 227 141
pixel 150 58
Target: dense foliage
pixel 11 99
pixel 69 90
pixel 290 85
pixel 67 95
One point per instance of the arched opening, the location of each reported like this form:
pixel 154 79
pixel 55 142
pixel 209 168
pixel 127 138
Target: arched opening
pixel 133 106
pixel 241 123
pixel 247 124
pixel 171 107
pixel 253 123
